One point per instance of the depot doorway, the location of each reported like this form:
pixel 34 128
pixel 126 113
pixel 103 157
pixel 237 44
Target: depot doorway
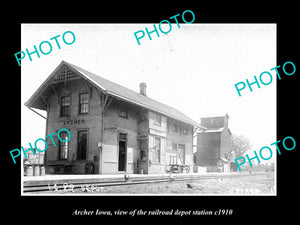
pixel 122 140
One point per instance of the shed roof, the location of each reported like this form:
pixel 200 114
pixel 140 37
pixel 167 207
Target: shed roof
pixel 217 130
pixel 112 89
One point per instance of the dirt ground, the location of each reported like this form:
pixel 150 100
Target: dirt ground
pixel 258 184
pixel 249 185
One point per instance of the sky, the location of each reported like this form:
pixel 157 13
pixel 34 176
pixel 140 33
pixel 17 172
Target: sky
pixel 192 68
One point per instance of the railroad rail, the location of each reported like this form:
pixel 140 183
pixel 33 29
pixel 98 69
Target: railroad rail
pixel 43 184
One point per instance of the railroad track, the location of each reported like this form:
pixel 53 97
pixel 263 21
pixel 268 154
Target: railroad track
pixel 46 186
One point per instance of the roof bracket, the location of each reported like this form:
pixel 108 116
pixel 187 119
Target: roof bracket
pixel 107 103
pixel 37 112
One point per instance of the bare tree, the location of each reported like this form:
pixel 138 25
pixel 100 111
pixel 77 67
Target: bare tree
pixel 239 144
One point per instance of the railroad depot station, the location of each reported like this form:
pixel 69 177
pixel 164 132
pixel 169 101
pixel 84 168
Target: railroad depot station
pixel 115 130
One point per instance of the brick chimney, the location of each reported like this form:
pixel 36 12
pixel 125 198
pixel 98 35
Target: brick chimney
pixel 143 89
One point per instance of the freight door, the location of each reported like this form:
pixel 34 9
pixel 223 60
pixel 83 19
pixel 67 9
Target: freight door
pixel 181 152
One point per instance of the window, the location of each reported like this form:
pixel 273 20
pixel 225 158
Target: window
pixel 82 145
pixel 83 103
pixel 157 150
pixel 122 137
pixel 63 147
pixel 123 113
pixel 174 146
pixel 65 106
pixel 184 131
pixel 173 159
pixel 174 128
pixel 157 120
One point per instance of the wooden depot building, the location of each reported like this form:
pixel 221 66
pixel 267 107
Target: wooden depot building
pixel 113 129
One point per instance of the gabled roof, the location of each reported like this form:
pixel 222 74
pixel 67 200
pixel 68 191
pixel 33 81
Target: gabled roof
pixel 111 89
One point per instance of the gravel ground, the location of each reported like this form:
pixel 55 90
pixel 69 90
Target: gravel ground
pixel 262 184
pixel 250 185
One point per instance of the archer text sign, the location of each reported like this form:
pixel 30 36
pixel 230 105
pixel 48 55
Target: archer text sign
pixel 73 122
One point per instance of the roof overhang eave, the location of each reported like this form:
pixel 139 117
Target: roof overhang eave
pixel 156 110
